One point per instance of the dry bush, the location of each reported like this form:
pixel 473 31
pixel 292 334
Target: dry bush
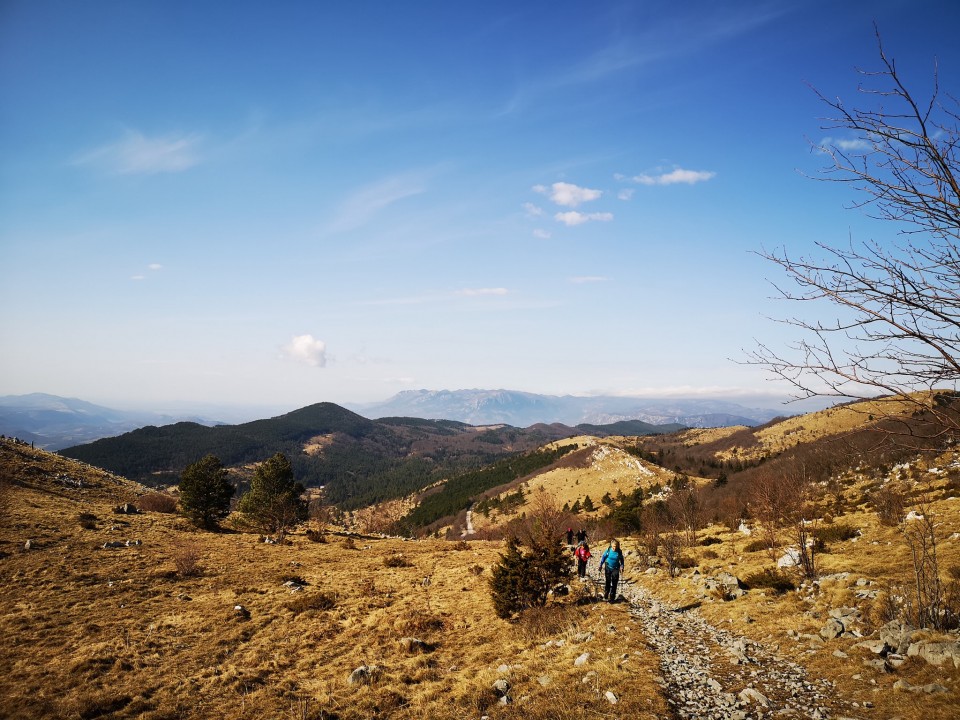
pixel 304 602
pixel 159 502
pixel 837 533
pixel 186 558
pixel 771 579
pixel 710 555
pixel 88 521
pixel 317 536
pixel 886 606
pixel 890 505
pixel 477 570
pixel 396 561
pixel 672 545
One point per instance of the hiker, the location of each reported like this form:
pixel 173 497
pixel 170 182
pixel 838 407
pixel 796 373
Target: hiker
pixel 581 535
pixel 569 536
pixel 582 554
pixel 612 563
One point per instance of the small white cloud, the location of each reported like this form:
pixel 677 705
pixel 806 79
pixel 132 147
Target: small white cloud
pixel 542 189
pixel 584 279
pixel 155 266
pixel 568 194
pixel 477 292
pixel 675 177
pixel 542 234
pixel 532 211
pixel 845 145
pixel 573 217
pixel 136 277
pixel 136 154
pixel 307 349
pixel 625 194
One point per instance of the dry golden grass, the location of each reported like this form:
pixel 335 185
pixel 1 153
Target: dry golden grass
pixel 122 632
pixel 879 560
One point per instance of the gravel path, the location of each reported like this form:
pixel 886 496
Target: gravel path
pixel 712 674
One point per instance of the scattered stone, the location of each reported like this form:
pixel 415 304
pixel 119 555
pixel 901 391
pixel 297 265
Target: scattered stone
pixel 241 612
pixel 126 509
pixel 582 660
pixel 833 629
pixel 877 664
pixel 840 654
pixel 611 698
pixel 750 695
pixel 545 680
pixel 588 677
pixel 28 545
pixel 936 653
pixel 582 637
pixel 364 675
pixel 504 669
pixel 501 687
pixel 897 635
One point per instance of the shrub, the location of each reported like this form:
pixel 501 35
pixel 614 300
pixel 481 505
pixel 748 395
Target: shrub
pixel 88 521
pixel 837 533
pixel 707 541
pixel 710 555
pixel 186 559
pixel 757 546
pixel 890 505
pixel 772 579
pixel 312 601
pixel 396 561
pixel 160 502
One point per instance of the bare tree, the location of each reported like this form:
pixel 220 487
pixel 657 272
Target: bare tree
pixel 896 330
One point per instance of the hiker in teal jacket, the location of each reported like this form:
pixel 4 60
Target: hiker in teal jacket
pixel 612 563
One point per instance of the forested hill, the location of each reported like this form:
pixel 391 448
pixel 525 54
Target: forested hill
pixel 359 461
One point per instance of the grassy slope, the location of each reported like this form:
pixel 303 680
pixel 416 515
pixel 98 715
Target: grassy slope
pixel 119 633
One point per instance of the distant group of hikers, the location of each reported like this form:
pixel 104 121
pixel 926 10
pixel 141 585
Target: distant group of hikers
pixel 611 561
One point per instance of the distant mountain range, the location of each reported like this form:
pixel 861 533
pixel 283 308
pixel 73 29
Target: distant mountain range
pixel 521 409
pixel 52 422
pixel 358 461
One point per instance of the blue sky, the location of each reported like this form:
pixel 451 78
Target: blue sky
pixel 276 204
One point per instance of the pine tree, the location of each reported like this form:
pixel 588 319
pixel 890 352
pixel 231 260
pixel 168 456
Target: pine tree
pixel 523 579
pixel 273 504
pixel 205 492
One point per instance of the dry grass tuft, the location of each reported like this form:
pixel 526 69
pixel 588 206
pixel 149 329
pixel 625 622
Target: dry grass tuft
pixel 186 558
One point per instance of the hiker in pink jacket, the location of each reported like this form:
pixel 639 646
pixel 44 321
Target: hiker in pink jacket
pixel 582 554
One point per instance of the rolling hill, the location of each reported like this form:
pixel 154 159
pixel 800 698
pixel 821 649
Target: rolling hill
pixel 357 461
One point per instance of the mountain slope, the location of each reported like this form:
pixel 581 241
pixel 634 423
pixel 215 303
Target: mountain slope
pixel 52 422
pixel 521 409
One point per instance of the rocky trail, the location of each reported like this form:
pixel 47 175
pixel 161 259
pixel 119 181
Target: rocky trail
pixel 711 674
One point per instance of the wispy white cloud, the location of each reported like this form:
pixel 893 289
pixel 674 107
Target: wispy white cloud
pixel 306 349
pixel 364 204
pixel 138 277
pixel 137 154
pixel 531 210
pixel 676 176
pixel 845 145
pixel 478 292
pixel 542 234
pixel 584 279
pixel 625 194
pixel 573 217
pixel 568 194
